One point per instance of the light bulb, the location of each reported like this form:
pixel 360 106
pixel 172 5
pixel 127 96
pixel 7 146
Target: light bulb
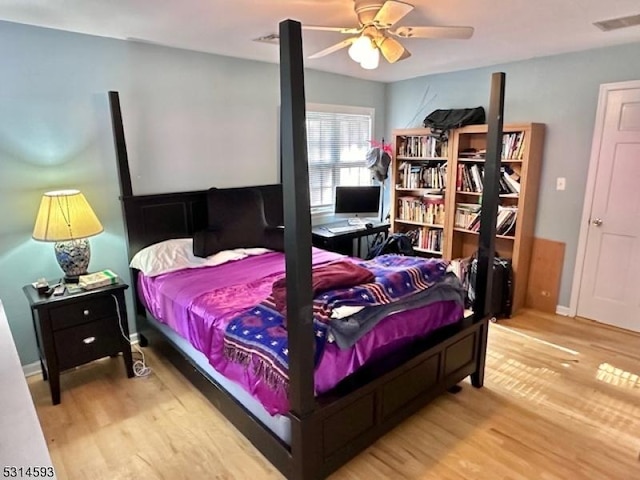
pixel 371 60
pixel 359 49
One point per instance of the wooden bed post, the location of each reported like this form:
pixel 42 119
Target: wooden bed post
pixel 124 175
pixel 489 209
pixel 297 242
pixel 126 190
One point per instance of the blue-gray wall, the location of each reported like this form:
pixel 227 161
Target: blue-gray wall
pixel 560 91
pixel 192 121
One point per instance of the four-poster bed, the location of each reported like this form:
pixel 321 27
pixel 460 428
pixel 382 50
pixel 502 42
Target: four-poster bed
pixel 320 432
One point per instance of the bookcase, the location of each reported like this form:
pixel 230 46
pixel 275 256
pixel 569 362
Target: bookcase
pixel 456 201
pixel 419 184
pixel 522 146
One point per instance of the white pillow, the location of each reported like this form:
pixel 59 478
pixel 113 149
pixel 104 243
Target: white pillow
pixel 177 254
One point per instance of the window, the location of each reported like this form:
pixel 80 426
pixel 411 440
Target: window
pixel 337 143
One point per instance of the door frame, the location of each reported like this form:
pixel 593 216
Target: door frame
pixel 598 130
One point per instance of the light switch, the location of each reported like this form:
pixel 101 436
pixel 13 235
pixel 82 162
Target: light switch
pixel 561 183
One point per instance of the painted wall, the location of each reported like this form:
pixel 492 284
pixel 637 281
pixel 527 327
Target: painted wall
pixel 192 121
pixel 560 91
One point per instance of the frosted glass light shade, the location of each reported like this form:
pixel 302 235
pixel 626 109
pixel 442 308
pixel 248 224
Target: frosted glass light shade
pixel 65 215
pixel 371 60
pixel 360 48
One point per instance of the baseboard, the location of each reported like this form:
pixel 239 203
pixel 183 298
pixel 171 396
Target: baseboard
pixel 31 369
pixel 562 310
pixel 34 368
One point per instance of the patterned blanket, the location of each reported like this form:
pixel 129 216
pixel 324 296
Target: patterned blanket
pixel 257 338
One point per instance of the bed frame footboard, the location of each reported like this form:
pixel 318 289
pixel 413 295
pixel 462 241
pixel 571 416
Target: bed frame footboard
pixel 375 400
pixel 357 412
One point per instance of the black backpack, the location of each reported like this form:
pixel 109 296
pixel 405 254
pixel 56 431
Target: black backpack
pixel 395 243
pixel 441 121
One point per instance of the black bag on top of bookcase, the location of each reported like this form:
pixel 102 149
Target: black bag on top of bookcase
pixel 502 288
pixel 441 121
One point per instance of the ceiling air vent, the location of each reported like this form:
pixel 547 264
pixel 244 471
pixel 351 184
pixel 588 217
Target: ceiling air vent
pixel 272 38
pixel 617 23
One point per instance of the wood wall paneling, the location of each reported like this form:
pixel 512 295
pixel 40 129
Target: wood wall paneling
pixel 547 257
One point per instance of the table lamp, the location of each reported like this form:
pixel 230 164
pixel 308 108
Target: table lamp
pixel 65 217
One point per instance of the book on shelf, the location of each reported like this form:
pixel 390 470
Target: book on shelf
pixel 473 154
pixel 513 146
pixel 432 176
pixel 511 179
pixel 470 179
pixel 477 177
pixel 467 217
pixel 465 214
pixel 421 146
pixel 428 209
pixel 428 239
pixel 506 221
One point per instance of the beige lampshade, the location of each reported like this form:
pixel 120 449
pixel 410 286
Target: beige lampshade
pixel 65 215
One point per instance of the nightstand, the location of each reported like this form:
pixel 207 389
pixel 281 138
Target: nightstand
pixel 76 328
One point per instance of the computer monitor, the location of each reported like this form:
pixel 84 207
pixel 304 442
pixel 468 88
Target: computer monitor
pixel 360 202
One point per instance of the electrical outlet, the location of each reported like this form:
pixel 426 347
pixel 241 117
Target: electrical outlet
pixel 561 183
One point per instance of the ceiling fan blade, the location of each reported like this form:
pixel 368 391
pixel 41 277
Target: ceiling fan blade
pixel 392 50
pixel 346 30
pixel 333 48
pixel 390 13
pixel 434 32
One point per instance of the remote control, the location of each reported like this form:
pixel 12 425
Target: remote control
pixel 59 290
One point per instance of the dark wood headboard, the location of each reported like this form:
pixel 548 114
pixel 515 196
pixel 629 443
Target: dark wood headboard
pixel 153 218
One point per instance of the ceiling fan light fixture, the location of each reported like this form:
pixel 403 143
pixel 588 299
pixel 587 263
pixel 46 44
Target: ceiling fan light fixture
pixel 361 48
pixel 371 60
pixel 375 34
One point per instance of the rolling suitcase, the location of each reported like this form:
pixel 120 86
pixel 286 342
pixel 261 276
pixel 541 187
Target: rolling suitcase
pixel 502 289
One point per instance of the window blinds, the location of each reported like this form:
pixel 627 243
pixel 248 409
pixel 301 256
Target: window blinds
pixel 337 145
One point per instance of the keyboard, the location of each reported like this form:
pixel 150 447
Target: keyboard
pixel 350 228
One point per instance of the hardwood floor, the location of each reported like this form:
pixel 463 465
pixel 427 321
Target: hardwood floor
pixel 561 401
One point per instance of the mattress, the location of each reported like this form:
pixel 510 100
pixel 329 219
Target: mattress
pixel 198 304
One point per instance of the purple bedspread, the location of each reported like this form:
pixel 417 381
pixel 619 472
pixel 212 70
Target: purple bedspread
pixel 199 303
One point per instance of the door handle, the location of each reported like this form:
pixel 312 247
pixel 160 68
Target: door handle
pixel 596 221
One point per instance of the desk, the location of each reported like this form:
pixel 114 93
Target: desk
pixel 342 242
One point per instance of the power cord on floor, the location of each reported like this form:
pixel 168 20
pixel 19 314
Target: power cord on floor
pixel 140 368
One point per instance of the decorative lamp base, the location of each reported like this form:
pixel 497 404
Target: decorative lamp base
pixel 73 257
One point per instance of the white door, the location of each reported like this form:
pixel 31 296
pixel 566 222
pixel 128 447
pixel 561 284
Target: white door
pixel 610 287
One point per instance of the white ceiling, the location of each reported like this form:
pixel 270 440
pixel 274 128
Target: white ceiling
pixel 505 30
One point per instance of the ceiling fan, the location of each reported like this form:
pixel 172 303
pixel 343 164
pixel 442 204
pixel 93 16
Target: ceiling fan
pixel 375 35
